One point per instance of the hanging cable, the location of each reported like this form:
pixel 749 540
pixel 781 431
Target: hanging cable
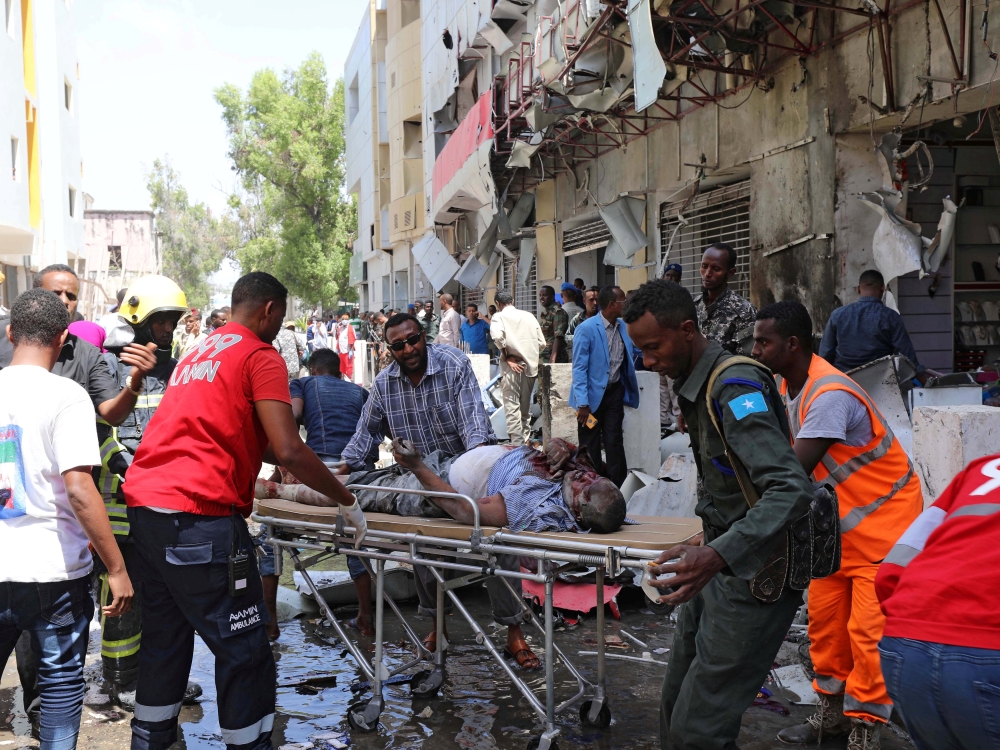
pixel 985 26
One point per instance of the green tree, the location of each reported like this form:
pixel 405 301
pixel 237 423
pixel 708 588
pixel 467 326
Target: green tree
pixel 192 241
pixel 286 141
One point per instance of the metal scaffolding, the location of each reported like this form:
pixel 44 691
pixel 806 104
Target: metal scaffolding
pixel 711 50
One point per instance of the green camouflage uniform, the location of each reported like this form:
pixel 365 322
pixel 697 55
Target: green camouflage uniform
pixel 729 320
pixel 554 322
pixel 726 639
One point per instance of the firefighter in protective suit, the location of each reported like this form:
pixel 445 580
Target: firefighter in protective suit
pixel 149 313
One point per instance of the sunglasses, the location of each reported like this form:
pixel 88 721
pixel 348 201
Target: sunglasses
pixel 398 346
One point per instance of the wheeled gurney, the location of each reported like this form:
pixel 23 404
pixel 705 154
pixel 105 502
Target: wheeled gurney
pixel 471 551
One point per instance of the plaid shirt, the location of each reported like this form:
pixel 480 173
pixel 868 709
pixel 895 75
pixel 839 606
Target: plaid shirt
pixel 443 412
pixel 534 503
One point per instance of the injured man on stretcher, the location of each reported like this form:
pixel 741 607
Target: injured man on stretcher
pixel 515 487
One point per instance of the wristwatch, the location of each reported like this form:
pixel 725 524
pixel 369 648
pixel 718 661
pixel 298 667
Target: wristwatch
pixel 128 384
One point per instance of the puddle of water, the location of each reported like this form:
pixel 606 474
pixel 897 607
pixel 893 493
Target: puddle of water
pixel 478 707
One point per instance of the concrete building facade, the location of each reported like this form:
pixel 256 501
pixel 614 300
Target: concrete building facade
pixel 602 141
pixel 41 180
pixel 119 247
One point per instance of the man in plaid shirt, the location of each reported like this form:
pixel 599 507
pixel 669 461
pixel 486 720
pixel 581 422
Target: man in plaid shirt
pixel 427 395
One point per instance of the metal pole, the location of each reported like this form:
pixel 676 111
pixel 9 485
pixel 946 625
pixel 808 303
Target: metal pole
pixel 359 658
pixel 600 630
pixel 550 660
pixel 379 625
pixel 439 650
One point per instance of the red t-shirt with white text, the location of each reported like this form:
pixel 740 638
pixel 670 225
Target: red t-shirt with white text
pixel 941 582
pixel 203 448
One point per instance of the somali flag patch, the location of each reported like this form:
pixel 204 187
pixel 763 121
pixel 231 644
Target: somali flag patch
pixel 749 403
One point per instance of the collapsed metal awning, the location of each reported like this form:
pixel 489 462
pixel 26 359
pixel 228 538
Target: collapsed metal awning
pixel 435 260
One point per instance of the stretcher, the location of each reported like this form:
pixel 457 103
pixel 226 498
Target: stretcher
pixel 471 551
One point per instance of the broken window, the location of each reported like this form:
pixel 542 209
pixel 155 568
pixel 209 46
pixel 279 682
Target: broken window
pixel 114 257
pixel 719 215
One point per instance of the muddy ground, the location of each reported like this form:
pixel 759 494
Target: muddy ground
pixel 478 708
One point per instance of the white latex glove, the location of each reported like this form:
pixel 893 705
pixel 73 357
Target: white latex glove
pixel 353 516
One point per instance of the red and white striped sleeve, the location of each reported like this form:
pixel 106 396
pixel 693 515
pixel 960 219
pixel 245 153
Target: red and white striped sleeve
pixel 913 540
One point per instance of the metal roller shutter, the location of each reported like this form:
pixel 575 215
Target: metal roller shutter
pixel 525 295
pixel 720 215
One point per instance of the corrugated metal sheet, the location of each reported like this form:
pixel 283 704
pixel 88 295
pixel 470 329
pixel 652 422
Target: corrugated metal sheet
pixel 719 215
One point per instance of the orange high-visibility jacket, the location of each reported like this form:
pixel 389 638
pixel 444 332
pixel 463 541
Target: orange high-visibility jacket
pixel 877 488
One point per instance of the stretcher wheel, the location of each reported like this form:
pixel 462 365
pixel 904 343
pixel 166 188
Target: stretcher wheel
pixel 659 608
pixel 359 719
pixel 534 742
pixel 426 683
pixel 603 716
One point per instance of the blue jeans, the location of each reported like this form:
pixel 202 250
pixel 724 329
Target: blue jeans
pixel 57 616
pixel 265 564
pixel 949 696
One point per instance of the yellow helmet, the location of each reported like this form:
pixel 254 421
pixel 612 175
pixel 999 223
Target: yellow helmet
pixel 151 294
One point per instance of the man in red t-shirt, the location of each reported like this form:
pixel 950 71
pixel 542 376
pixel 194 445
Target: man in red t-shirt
pixel 191 484
pixel 939 589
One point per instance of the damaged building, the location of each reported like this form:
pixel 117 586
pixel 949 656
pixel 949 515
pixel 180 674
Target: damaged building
pixel 516 143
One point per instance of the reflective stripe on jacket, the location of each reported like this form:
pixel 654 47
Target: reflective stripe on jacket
pixel 114 456
pixel 877 487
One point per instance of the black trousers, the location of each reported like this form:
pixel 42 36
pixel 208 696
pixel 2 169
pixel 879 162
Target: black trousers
pixel 183 563
pixel 607 433
pixel 120 636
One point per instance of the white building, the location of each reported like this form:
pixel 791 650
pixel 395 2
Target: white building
pixel 41 171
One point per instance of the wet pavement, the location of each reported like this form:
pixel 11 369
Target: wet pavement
pixel 477 708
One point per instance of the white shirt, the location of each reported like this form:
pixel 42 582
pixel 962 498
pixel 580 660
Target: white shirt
pixel 519 333
pixel 470 472
pixel 47 427
pixel 450 330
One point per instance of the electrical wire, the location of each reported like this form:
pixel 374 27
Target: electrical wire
pixel 752 89
pixel 870 49
pixel 989 50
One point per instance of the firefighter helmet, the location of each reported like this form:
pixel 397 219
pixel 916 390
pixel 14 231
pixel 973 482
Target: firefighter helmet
pixel 151 294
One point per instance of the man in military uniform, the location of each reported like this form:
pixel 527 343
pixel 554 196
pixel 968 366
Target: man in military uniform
pixel 554 322
pixel 723 315
pixel 429 323
pixel 726 638
pixel 149 313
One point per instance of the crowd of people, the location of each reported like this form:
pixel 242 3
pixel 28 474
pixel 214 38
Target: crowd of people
pixel 130 448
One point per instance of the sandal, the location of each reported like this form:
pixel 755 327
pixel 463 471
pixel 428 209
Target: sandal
pixel 353 624
pixel 430 642
pixel 522 654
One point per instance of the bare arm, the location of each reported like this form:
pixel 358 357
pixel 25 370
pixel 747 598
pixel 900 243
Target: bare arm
pixel 492 509
pixel 88 507
pixel 810 451
pixel 297 407
pixel 290 452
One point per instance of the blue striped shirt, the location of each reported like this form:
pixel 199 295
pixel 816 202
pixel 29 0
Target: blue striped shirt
pixel 534 503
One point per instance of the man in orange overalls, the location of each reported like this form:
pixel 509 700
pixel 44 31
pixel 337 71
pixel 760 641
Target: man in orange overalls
pixel 842 439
